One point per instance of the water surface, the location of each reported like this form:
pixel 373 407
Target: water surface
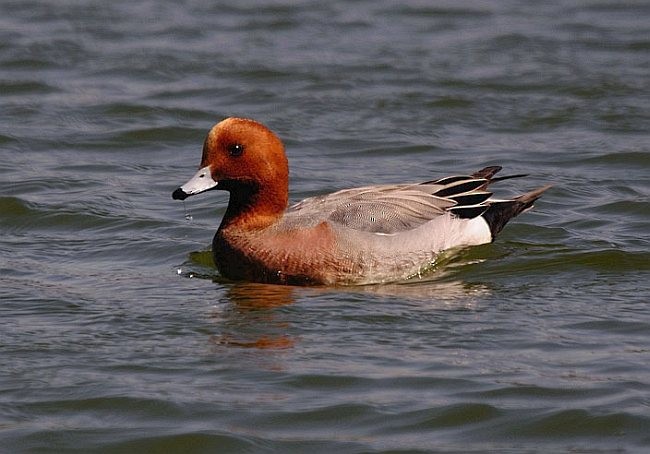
pixel 118 335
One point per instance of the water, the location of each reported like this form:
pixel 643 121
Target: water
pixel 118 335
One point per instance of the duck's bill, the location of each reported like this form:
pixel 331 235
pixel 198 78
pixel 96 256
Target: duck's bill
pixel 202 181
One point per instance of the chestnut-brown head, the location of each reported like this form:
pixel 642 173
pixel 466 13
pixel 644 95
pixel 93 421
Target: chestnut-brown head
pixel 244 157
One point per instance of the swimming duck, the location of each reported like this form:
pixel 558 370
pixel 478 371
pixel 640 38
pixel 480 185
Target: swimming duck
pixel 364 235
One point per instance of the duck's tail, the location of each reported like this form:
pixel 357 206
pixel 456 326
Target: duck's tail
pixel 473 199
pixel 500 212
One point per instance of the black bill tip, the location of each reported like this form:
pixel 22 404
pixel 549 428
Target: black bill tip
pixel 179 194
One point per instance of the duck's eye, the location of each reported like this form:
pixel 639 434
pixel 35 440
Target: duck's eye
pixel 235 149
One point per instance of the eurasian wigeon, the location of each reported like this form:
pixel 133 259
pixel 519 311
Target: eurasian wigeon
pixel 364 235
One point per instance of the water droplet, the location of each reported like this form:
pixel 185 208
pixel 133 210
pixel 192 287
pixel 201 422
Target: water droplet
pixel 188 215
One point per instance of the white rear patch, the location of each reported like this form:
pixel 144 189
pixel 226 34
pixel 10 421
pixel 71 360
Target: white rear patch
pixel 477 231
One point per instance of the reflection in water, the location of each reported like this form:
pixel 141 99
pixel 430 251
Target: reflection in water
pixel 432 294
pixel 252 317
pixel 262 343
pixel 252 296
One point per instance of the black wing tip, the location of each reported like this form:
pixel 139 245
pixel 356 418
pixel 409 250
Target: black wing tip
pixel 487 172
pixel 461 187
pixel 468 212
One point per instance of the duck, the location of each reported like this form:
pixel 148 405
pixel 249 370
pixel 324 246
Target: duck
pixel 365 235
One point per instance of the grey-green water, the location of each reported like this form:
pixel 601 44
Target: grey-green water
pixel 116 334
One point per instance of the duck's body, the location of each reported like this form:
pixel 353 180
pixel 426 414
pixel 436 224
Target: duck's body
pixel 356 236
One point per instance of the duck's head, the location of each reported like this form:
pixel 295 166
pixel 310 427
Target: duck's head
pixel 240 156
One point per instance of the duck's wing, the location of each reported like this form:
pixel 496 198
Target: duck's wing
pixel 397 208
pixel 388 211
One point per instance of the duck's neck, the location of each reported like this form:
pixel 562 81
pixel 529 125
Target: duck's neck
pixel 252 207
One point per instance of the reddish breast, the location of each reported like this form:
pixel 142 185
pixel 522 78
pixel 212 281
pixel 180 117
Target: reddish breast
pixel 298 256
